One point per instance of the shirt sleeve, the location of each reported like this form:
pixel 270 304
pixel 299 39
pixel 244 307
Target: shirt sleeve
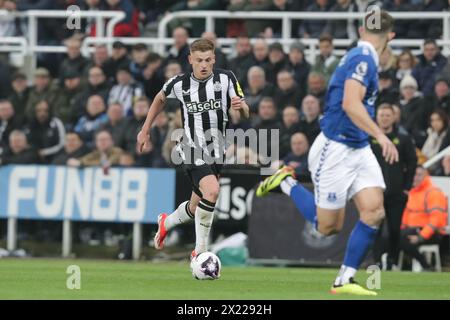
pixel 168 88
pixel 234 88
pixel 361 68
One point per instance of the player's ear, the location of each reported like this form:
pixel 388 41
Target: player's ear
pixel 361 31
pixel 391 35
pixel 190 58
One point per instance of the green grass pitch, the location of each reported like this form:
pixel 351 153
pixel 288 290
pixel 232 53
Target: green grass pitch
pixel 100 279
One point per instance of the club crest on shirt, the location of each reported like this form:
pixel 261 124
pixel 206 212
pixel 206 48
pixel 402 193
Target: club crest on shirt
pixel 217 86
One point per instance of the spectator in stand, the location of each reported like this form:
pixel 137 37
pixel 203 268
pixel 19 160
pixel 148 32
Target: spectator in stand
pixel 175 126
pixel 220 57
pixel 277 62
pixel 441 97
pixel 134 124
pixel 243 60
pixel 298 64
pixel 46 133
pixel 20 93
pixel 343 29
pixel 260 53
pixel 388 88
pixel 405 64
pixel 126 91
pixel 257 88
pixel 153 76
pixel 424 218
pixel 287 91
pixel 317 86
pixel 92 5
pixel 401 26
pixel 314 28
pixel 65 107
pixel 290 126
pixel 95 117
pixel 116 123
pixel 267 116
pixel 422 28
pixel 105 153
pixel 437 132
pixel 8 22
pixel 73 148
pixel 74 62
pixel 19 151
pixel 326 62
pixel 413 111
pixel 172 69
pixel 119 57
pixel 99 58
pixel 309 121
pixel 179 52
pixel 430 63
pixel 9 121
pixel 97 85
pixel 398 177
pixel 129 26
pixel 42 90
pixel 197 25
pixel 397 119
pixel 274 27
pixel 297 158
pixel 139 54
pixel 388 61
pixel 254 27
pixel 159 131
pixel 127 160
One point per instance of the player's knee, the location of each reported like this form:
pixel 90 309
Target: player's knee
pixel 373 217
pixel 212 193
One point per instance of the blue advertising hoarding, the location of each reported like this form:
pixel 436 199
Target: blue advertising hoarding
pixel 58 193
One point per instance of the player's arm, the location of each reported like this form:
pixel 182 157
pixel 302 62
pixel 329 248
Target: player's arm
pixel 354 92
pixel 143 138
pixel 237 97
pixel 240 105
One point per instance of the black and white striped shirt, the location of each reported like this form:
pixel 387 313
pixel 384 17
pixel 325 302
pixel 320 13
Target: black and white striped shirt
pixel 205 104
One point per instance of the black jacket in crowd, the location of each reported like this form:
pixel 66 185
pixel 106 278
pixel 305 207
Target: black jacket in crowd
pixel 398 176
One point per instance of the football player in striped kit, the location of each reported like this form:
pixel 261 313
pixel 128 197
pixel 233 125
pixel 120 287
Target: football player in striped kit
pixel 207 97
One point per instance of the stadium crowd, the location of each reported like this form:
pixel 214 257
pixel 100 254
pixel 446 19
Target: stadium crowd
pixel 55 120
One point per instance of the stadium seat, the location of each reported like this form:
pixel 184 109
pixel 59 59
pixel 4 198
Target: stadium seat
pixel 428 251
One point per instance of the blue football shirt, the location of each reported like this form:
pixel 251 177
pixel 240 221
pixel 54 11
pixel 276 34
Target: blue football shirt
pixel 361 64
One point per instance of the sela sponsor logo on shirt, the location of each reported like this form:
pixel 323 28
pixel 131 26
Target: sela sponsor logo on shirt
pixel 195 107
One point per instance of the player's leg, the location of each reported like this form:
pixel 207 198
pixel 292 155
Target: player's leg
pixel 204 213
pixel 182 214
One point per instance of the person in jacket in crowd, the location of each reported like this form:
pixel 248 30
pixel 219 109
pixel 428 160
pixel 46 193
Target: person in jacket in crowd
pixel 104 155
pixel 46 132
pixel 92 121
pixel 398 177
pixel 437 132
pixel 19 151
pixel 430 64
pixel 9 121
pixel 424 218
pixel 326 62
pixel 73 148
pixel 413 110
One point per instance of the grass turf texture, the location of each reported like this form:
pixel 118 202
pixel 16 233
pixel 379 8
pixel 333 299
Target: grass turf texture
pixel 100 279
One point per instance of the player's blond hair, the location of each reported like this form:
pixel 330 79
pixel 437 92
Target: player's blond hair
pixel 202 45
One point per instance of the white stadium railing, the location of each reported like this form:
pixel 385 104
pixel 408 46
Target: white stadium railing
pixel 160 43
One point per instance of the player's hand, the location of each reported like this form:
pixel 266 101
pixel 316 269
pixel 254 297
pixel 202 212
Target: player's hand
pixel 236 103
pixel 390 153
pixel 143 142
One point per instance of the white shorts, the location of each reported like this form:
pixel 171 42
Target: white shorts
pixel 339 172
